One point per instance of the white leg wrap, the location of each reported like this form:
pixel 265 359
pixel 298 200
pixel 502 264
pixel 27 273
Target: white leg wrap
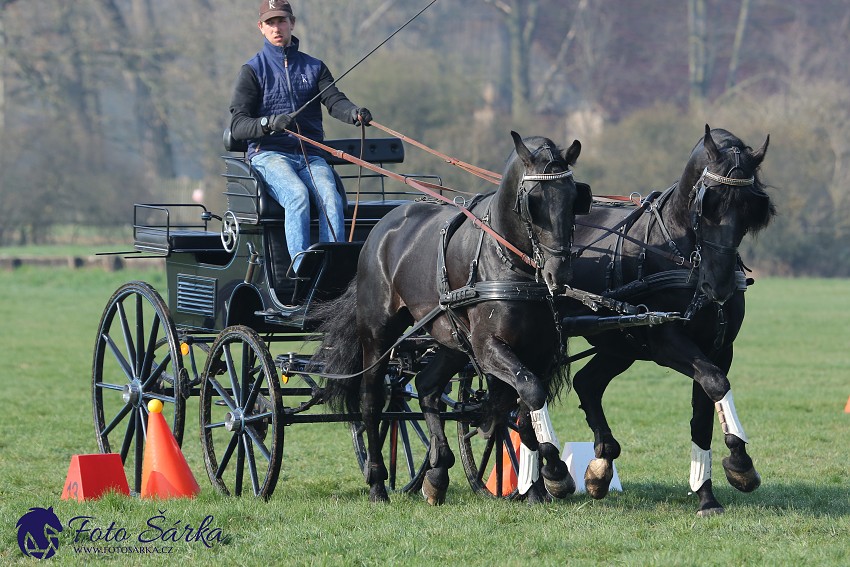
pixel 700 466
pixel 729 422
pixel 529 468
pixel 543 429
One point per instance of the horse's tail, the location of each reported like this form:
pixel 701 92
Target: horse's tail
pixel 560 377
pixel 340 351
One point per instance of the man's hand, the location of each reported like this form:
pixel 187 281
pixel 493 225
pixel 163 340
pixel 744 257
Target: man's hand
pixel 358 114
pixel 280 122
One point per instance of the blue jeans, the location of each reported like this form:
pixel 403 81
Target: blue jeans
pixel 289 182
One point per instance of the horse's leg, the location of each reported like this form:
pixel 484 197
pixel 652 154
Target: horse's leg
pixel 590 383
pixel 430 383
pixel 684 356
pixel 702 421
pixel 502 362
pixel 378 329
pixel 372 398
pixel 738 466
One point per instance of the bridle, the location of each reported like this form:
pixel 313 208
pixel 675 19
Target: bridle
pixel 708 180
pixel 528 182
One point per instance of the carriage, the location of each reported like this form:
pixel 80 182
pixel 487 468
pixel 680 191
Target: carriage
pixel 234 299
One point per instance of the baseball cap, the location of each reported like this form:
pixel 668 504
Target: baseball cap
pixel 274 8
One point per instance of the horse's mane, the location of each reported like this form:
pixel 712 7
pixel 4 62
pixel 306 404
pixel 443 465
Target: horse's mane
pixel 753 201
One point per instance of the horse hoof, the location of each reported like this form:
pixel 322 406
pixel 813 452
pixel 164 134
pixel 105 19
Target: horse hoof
pixel 745 481
pixel 710 512
pixel 537 496
pixel 560 488
pixel 597 478
pixel 433 495
pixel 378 493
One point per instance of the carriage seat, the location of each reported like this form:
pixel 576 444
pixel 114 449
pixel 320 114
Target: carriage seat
pixel 157 234
pixel 246 191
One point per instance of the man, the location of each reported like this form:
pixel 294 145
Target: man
pixel 278 81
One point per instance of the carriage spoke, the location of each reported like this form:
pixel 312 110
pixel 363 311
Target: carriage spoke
pixel 417 427
pixel 231 371
pixel 228 452
pixel 157 372
pixel 129 434
pixel 231 403
pixel 252 465
pixel 128 337
pixel 509 448
pixel 147 362
pixel 485 459
pixel 408 452
pixel 106 386
pixel 116 420
pixel 140 447
pixel 393 472
pixel 500 458
pixel 119 357
pixel 240 465
pixel 140 330
pixel 253 435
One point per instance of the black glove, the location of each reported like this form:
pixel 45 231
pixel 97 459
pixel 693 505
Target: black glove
pixel 362 113
pixel 279 122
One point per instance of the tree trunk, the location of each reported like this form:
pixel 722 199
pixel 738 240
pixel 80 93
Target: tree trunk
pixel 521 20
pixel 697 54
pixel 743 15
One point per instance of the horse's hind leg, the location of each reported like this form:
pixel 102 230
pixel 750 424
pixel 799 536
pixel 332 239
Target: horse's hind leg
pixel 372 397
pixel 430 383
pixel 590 383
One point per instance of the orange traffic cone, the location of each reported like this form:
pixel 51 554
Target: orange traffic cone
pixel 91 476
pixel 847 407
pixel 165 473
pixel 509 479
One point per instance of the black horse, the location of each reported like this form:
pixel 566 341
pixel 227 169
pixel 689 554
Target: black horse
pixel 677 252
pixel 425 265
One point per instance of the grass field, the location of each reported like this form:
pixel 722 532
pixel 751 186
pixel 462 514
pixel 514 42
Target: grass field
pixel 791 379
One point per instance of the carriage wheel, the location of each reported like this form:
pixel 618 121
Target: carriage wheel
pixel 241 414
pixel 404 440
pixel 488 448
pixel 136 359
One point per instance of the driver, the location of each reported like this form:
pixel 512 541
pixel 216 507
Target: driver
pixel 274 84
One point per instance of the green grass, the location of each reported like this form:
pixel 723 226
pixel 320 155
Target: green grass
pixel 790 378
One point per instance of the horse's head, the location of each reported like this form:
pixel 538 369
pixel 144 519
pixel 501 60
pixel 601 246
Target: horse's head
pixel 726 201
pixel 545 199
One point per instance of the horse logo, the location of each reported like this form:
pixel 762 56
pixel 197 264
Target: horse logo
pixel 38 533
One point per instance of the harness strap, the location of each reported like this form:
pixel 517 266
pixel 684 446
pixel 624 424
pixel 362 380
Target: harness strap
pixel 423 187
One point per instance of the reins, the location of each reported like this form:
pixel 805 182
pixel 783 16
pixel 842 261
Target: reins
pixel 426 188
pixel 484 174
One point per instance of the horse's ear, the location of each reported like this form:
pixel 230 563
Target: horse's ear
pixel 522 150
pixel 571 154
pixel 710 146
pixel 758 156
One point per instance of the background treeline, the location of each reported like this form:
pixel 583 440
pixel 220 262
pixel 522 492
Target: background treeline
pixel 104 103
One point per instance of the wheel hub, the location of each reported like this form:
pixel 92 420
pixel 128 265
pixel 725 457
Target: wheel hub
pixel 234 420
pixel 132 393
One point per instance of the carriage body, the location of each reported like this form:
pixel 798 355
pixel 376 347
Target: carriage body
pixel 252 283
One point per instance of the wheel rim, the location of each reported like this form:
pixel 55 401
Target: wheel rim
pixel 489 458
pixel 136 359
pixel 241 415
